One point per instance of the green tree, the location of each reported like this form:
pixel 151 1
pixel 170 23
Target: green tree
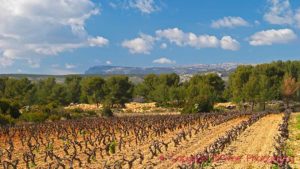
pixel 236 82
pixel 251 90
pixel 119 90
pixel 17 90
pixel 44 90
pixel 73 88
pixel 202 92
pixel 93 90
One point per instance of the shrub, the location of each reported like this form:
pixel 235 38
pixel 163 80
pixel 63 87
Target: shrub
pixel 8 108
pixel 54 117
pixel 6 120
pixel 106 112
pixel 199 104
pixel 36 117
pixel 77 110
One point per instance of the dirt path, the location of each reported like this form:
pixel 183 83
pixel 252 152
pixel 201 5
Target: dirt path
pixel 253 146
pixel 196 144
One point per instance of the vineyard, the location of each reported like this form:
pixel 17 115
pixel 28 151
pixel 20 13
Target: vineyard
pixel 160 141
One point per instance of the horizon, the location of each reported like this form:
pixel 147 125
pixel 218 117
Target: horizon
pixel 159 66
pixel 144 33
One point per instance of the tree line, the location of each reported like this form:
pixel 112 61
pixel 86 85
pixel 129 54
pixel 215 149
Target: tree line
pixel 247 84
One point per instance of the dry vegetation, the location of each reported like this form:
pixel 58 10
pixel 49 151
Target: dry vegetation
pixel 161 141
pixel 132 108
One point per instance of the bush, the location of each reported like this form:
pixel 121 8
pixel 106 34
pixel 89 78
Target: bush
pixel 197 105
pixel 8 108
pixel 106 112
pixel 6 120
pixel 36 117
pixel 54 117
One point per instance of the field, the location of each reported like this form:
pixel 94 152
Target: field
pixel 214 140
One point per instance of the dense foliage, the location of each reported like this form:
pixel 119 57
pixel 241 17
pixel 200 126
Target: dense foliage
pixel 262 83
pixel 247 84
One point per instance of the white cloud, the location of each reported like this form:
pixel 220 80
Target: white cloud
pixel 269 37
pixel 229 43
pixel 229 22
pixel 98 41
pixel 140 45
pixel 70 66
pixel 53 49
pixel 163 46
pixel 174 35
pixel 145 6
pixel 7 56
pixel 279 12
pixel 108 62
pixel 32 28
pixel 202 41
pixel 181 38
pixel 164 60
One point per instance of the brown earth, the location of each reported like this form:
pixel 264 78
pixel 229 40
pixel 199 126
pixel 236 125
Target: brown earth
pixel 196 144
pixel 254 147
pixel 192 145
pixel 184 149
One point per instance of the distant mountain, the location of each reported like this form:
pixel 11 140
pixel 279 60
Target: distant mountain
pixel 192 69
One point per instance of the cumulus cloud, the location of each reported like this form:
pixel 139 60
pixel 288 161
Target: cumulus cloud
pixel 180 38
pixel 229 43
pixel 33 28
pixel 145 6
pixel 280 12
pixel 174 35
pixel 144 44
pixel 164 60
pixel 139 45
pixel 163 46
pixel 270 37
pixel 229 22
pixel 98 41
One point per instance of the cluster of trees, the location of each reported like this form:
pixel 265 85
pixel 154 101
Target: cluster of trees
pixel 265 82
pixel 43 100
pixel 247 84
pixel 196 95
pixel 75 89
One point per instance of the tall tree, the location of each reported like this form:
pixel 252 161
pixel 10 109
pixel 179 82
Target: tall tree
pixel 93 90
pixel 73 88
pixel 119 90
pixel 251 90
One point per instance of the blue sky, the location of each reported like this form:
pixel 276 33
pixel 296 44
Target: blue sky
pixel 68 37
